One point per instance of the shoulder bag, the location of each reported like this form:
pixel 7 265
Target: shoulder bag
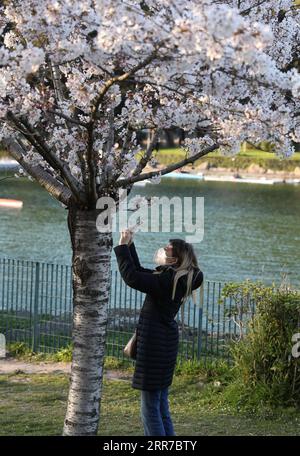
pixel 130 348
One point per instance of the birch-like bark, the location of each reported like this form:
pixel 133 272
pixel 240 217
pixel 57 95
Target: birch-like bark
pixel 44 178
pixel 91 282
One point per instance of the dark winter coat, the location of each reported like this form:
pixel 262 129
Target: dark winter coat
pixel 157 329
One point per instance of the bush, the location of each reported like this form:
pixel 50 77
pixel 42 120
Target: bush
pixel 64 354
pixel 265 370
pixel 18 349
pixel 213 370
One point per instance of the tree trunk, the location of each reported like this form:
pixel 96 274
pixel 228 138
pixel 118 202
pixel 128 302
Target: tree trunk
pixel 91 283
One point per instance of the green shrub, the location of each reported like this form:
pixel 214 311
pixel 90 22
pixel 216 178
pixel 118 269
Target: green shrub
pixel 266 372
pixel 113 363
pixel 64 354
pixel 18 349
pixel 213 370
pixel 22 351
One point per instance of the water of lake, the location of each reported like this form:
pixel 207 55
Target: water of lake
pixel 251 231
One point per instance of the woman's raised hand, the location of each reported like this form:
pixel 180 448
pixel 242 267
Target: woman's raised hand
pixel 126 237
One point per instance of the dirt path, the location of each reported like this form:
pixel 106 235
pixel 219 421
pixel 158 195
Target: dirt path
pixel 11 365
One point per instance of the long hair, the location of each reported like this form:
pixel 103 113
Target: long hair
pixel 186 262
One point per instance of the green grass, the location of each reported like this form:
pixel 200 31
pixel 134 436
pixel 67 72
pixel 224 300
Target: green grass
pixel 22 352
pixel 252 153
pixel 36 404
pixel 243 160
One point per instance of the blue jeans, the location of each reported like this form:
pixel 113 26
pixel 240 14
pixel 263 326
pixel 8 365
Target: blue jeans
pixel 155 413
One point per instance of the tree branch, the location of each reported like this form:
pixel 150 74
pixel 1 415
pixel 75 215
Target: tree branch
pixel 144 160
pixel 91 165
pixel 69 119
pixel 91 125
pixel 36 140
pixel 43 177
pixel 168 169
pixel 125 148
pixel 59 95
pixel 124 76
pixel 255 146
pixel 248 10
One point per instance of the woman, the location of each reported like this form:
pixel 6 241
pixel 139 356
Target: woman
pixel 166 289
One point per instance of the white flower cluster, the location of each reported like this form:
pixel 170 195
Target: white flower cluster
pixel 86 74
pixel 194 145
pixel 155 179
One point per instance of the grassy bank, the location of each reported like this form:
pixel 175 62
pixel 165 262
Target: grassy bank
pixel 35 405
pixel 243 160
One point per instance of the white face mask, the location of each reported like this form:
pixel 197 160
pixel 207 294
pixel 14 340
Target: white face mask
pixel 160 257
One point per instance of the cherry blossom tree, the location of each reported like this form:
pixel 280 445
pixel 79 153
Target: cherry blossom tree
pixel 80 78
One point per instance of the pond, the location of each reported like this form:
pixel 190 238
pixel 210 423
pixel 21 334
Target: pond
pixel 250 230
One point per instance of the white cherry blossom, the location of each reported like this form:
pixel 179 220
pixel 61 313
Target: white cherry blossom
pixel 84 75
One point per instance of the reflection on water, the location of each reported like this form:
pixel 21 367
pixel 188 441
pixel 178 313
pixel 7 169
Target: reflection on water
pixel 251 231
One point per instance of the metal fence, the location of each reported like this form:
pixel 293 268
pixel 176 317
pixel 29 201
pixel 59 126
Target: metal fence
pixel 36 308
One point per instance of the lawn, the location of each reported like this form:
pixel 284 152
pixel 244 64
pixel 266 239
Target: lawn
pixel 250 153
pixel 243 160
pixel 35 405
